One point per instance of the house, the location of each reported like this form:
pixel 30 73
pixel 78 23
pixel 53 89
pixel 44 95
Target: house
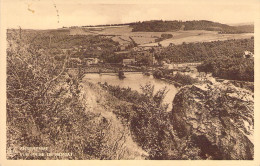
pixel 64 50
pixel 176 65
pixel 205 76
pixel 193 75
pixel 167 66
pixel 155 62
pixel 136 49
pixel 122 52
pixel 122 47
pixel 186 64
pixel 41 50
pixel 129 61
pixel 74 62
pixel 91 61
pixel 248 54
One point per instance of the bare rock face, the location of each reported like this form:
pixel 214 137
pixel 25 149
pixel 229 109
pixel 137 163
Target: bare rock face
pixel 219 119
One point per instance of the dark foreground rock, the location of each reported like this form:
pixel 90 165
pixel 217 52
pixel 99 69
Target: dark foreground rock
pixel 218 118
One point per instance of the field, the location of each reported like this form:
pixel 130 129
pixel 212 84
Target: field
pixel 121 34
pixel 195 37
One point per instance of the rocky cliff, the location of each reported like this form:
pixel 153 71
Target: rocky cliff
pixel 218 118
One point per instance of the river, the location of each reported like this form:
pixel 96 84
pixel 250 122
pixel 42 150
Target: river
pixel 134 81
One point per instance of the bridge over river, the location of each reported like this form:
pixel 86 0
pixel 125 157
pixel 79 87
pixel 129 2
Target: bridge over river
pixel 102 69
pixel 110 69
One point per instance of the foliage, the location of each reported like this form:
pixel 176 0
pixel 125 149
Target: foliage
pixel 179 78
pixel 151 124
pixel 164 26
pixel 241 69
pixel 158 74
pixel 222 58
pixel 183 79
pixel 77 46
pixel 166 36
pixel 196 52
pixel 163 37
pixel 44 108
pixel 144 59
pixel 156 26
pixel 191 52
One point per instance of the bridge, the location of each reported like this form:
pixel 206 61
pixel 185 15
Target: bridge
pixel 108 69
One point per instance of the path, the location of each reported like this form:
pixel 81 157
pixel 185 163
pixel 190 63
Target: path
pixel 119 140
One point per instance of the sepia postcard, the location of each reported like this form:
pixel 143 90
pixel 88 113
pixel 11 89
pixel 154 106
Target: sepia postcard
pixel 170 82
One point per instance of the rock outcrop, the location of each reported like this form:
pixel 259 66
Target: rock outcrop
pixel 219 119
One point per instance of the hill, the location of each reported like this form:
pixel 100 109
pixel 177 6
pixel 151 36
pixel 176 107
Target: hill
pixel 197 52
pixel 163 26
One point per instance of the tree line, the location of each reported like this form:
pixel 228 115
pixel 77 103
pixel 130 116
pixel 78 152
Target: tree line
pixel 229 68
pixel 197 52
pixel 164 26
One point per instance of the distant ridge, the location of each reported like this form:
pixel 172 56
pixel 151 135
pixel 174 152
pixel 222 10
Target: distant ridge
pixel 164 26
pixel 242 24
pixel 175 25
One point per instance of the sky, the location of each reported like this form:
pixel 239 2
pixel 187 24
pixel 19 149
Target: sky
pixel 46 14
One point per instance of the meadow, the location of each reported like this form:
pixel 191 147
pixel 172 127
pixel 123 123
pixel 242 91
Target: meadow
pixel 121 34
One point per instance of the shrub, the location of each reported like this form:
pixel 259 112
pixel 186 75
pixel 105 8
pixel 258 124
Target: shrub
pixel 150 124
pixel 184 79
pixel 229 68
pixel 44 107
pixel 158 74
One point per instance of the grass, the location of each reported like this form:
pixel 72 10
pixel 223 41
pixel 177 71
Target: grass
pixel 148 38
pixel 201 38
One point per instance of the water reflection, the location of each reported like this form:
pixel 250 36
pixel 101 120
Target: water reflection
pixel 134 81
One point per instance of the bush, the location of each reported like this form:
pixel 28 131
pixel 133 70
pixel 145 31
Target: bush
pixel 184 79
pixel 158 74
pixel 44 107
pixel 150 124
pixel 166 36
pixel 178 78
pixel 198 52
pixel 229 68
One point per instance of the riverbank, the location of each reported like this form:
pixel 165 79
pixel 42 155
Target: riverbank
pixel 166 134
pixel 177 79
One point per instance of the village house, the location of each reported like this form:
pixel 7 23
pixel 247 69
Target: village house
pixel 91 61
pixel 41 50
pixel 123 47
pixel 186 64
pixel 122 52
pixel 75 48
pixel 167 65
pixel 205 76
pixel 74 62
pixel 136 49
pixel 193 75
pixel 248 54
pixel 64 50
pixel 155 62
pixel 129 61
pixel 143 53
